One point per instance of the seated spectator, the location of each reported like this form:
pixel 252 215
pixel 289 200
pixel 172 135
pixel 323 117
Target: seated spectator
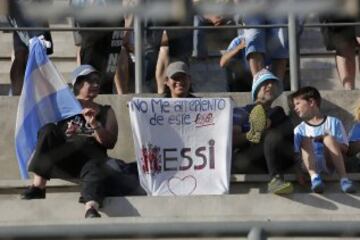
pixel 76 147
pixel 344 40
pixel 263 134
pixel 21 39
pixel 354 134
pixel 352 162
pixel 266 46
pixel 320 141
pixel 233 59
pixel 178 81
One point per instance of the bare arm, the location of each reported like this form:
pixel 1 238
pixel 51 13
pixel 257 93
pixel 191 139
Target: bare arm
pixel 227 56
pixel 105 135
pixel 121 77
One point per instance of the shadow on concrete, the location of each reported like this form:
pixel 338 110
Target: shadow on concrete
pixel 335 110
pixel 345 199
pixel 119 207
pixel 245 188
pixel 312 200
pixel 319 73
pixel 310 40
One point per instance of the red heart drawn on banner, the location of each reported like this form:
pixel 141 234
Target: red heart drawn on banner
pixel 182 186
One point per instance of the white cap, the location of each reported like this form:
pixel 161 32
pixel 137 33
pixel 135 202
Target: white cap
pixel 82 70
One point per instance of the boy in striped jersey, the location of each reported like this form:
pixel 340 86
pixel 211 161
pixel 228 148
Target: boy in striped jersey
pixel 319 140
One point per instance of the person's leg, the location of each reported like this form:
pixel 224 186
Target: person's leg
pixel 277 47
pixel 248 158
pixel 309 158
pixel 256 62
pixel 122 179
pixel 279 155
pixel 279 67
pixel 346 66
pixel 17 70
pixel 333 152
pixel 278 151
pixel 92 176
pixel 344 42
pixel 255 40
pixel 41 163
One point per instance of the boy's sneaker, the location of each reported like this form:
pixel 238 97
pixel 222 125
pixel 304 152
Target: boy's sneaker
pixel 257 120
pixel 277 185
pixel 347 186
pixel 317 185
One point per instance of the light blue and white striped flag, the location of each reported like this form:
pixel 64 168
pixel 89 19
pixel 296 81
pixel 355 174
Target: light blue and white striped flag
pixel 45 98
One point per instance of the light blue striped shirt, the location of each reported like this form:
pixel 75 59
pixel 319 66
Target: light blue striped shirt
pixel 330 126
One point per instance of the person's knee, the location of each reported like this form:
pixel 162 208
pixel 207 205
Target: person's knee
pixel 93 170
pixel 329 139
pixel 273 137
pixel 47 129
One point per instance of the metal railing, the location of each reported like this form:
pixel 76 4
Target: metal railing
pixel 139 30
pixel 253 230
pixel 176 8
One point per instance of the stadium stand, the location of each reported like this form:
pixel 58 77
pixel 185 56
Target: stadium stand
pixel 246 206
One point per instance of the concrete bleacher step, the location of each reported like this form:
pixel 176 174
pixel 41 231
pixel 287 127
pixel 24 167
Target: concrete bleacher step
pixel 250 207
pixel 248 199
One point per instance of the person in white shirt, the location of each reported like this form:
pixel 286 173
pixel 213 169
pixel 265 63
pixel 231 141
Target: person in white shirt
pixel 319 140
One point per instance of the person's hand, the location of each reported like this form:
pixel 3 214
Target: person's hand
pixel 215 20
pixel 320 138
pixel 72 128
pixel 89 115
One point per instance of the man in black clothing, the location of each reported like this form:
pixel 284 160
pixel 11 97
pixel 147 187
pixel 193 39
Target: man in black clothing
pixel 263 135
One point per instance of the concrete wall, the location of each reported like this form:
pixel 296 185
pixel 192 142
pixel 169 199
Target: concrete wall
pixel 337 103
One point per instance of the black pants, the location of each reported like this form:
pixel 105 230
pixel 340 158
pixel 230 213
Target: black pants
pixel 122 179
pixel 274 154
pixel 77 157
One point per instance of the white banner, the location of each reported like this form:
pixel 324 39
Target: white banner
pixel 182 146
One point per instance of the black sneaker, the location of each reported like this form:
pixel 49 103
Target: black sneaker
pixel 33 193
pixel 92 213
pixel 81 199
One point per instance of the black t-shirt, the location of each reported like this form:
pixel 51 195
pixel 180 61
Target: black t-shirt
pixel 79 122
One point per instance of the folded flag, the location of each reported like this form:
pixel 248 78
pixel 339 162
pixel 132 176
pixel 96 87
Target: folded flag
pixel 45 98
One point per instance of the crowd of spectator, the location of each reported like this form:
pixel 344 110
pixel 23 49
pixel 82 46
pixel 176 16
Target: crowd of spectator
pixel 249 50
pixel 264 137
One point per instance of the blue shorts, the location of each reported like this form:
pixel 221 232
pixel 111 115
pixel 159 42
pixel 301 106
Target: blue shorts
pixel 272 42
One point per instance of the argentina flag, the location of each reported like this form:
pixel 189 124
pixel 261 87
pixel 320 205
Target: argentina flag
pixel 45 98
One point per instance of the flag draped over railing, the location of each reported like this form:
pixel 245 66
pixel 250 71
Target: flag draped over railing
pixel 45 98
